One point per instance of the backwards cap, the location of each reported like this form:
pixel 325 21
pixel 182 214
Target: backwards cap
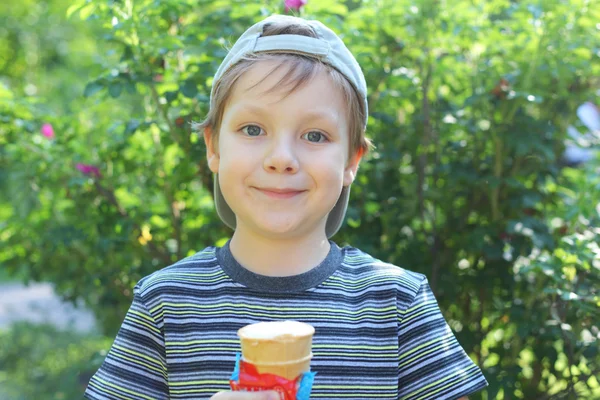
pixel 326 47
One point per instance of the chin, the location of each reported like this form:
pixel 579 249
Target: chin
pixel 279 228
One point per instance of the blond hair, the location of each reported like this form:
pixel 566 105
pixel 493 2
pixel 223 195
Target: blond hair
pixel 301 68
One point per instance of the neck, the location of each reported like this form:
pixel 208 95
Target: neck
pixel 278 257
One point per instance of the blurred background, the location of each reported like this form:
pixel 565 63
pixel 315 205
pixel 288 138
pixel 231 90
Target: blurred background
pixel 486 176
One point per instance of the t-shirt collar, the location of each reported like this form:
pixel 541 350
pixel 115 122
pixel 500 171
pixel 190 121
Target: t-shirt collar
pixel 295 283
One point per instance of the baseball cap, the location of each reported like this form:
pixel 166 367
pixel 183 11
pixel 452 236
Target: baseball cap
pixel 326 47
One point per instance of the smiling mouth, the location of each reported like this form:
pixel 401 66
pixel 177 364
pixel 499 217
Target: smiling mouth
pixel 280 193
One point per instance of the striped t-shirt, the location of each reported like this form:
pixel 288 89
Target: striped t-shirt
pixel 379 333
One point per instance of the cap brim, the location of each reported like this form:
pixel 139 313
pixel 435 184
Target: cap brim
pixel 225 212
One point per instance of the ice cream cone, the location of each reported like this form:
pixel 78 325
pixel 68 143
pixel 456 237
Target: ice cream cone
pixel 282 348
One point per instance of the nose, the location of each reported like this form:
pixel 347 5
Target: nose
pixel 281 156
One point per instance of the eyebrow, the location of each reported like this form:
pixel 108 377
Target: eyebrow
pixel 253 109
pixel 310 114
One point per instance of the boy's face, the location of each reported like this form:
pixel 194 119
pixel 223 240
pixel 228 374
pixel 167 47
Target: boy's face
pixel 282 160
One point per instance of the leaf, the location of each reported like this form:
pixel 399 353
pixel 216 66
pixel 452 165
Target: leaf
pixel 171 95
pixel 92 88
pixel 130 87
pixel 202 98
pixel 76 6
pixel 189 89
pixel 77 181
pixel 132 126
pixel 127 54
pixel 383 117
pixel 115 89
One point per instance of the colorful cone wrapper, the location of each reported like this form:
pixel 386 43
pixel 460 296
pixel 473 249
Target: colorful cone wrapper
pixel 246 378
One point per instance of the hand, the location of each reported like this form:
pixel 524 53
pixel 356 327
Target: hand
pixel 270 395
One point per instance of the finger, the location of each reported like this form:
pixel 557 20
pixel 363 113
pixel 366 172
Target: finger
pixel 270 395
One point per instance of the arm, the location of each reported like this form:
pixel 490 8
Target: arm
pixel 432 364
pixel 135 368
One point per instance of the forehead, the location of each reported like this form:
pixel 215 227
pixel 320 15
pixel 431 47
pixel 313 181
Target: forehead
pixel 301 86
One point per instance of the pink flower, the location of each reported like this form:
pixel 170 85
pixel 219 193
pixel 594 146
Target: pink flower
pixel 87 169
pixel 295 5
pixel 47 131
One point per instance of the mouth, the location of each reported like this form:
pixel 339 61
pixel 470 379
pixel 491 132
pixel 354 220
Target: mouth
pixel 276 193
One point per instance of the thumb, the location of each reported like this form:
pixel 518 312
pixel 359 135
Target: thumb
pixel 270 395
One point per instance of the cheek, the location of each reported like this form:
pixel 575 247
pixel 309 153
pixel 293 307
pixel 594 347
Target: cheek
pixel 235 163
pixel 330 169
pixel 230 150
pixel 231 165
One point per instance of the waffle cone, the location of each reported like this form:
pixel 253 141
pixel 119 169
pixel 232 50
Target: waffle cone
pixel 280 348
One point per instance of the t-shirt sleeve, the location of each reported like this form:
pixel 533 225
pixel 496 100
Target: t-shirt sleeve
pixel 135 367
pixel 432 364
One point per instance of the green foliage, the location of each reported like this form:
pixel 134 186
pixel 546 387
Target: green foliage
pixel 45 363
pixel 469 107
pixel 558 292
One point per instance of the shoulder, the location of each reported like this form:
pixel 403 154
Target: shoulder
pixel 361 266
pixel 196 268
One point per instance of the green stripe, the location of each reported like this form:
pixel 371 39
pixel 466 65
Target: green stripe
pixel 202 342
pixel 316 353
pixel 368 355
pixel 139 314
pixel 202 390
pixel 406 319
pixel 123 389
pixel 224 313
pixel 349 346
pixel 220 306
pixel 161 277
pixel 195 349
pixel 185 383
pixel 138 362
pixel 145 357
pixel 448 336
pixel 266 308
pixel 373 279
pixel 349 288
pixel 103 389
pixel 216 273
pixel 315 346
pixel 356 387
pixel 422 354
pixel 369 279
pixel 437 383
pixel 423 304
pixel 450 384
pixel 169 278
pixel 364 395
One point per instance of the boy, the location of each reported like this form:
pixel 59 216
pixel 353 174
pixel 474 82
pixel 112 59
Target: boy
pixel 285 135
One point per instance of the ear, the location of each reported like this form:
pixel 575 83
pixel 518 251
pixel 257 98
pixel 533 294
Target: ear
pixel 352 167
pixel 212 156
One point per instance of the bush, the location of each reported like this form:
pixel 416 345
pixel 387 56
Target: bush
pixel 469 107
pixel 47 364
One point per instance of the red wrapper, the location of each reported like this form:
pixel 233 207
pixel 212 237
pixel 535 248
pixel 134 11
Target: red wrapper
pixel 250 380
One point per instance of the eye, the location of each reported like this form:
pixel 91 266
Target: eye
pixel 315 137
pixel 252 130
